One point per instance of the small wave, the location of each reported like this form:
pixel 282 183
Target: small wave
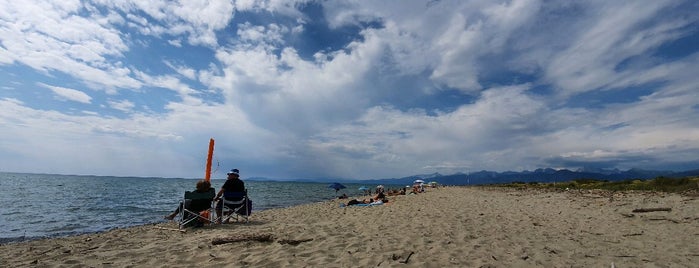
pixel 11 213
pixel 64 228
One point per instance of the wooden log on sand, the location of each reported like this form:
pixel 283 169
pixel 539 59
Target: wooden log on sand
pixel 640 210
pixel 242 238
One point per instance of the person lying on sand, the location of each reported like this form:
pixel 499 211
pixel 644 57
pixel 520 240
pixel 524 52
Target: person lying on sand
pixel 370 201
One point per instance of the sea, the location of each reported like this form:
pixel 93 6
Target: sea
pixel 35 206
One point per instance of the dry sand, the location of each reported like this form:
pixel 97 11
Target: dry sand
pixel 444 227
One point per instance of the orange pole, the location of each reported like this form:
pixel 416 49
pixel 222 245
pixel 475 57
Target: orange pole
pixel 207 177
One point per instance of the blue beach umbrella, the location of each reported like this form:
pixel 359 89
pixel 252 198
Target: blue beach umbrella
pixel 336 186
pixel 363 188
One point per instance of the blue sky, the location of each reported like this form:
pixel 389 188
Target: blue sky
pixel 347 89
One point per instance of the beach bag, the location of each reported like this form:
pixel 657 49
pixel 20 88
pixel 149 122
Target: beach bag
pixel 248 208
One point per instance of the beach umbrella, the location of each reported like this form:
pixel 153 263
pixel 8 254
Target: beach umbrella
pixel 336 186
pixel 419 181
pixel 363 188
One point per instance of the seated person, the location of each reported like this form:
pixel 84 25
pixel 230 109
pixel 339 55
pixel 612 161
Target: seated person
pixel 380 197
pixel 203 186
pixel 416 189
pixel 232 184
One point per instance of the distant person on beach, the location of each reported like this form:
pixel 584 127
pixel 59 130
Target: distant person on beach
pixel 232 184
pixel 418 188
pixel 380 195
pixel 357 201
pixel 203 186
pixel 378 199
pixel 370 201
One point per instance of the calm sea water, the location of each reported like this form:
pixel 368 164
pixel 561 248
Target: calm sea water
pixel 38 205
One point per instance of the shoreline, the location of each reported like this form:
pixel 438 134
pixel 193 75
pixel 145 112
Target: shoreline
pixel 453 226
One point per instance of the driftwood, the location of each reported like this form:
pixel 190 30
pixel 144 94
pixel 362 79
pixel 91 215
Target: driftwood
pixel 243 238
pixel 407 258
pixel 633 234
pixel 639 210
pixel 397 257
pixel 293 242
pixel 663 219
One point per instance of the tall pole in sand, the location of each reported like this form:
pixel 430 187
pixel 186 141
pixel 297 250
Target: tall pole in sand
pixel 209 157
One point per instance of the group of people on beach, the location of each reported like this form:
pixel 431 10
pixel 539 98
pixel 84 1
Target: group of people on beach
pixel 233 184
pixel 378 199
pixel 381 195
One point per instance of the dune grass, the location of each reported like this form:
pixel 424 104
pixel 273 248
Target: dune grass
pixel 660 184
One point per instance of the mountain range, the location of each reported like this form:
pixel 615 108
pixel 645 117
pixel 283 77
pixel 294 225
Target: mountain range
pixel 539 175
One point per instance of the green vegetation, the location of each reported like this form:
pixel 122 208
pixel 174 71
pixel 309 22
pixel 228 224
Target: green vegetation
pixel 661 184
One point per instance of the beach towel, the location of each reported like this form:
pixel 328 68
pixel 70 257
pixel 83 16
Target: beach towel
pixel 361 205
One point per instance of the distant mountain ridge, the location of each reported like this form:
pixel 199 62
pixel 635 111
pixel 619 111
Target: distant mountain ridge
pixel 539 175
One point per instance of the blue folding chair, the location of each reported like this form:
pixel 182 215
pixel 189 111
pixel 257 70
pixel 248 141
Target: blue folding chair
pixel 234 204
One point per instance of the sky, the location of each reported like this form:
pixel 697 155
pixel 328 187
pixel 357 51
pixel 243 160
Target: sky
pixel 347 89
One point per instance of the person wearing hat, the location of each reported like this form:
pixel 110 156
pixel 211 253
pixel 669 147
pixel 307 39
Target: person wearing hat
pixel 232 184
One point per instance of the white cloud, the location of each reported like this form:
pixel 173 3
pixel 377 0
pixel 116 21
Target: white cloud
pixel 257 34
pixel 176 43
pixel 68 94
pixel 185 71
pixel 614 34
pixel 390 140
pixel 197 19
pixel 60 40
pixel 123 105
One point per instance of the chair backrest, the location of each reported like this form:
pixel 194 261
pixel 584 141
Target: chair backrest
pixel 211 194
pixel 234 196
pixel 238 201
pixel 200 201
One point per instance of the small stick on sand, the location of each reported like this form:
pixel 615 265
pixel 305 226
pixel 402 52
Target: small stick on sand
pixel 170 229
pixel 639 210
pixel 407 258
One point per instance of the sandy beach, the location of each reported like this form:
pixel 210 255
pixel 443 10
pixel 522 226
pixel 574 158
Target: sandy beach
pixel 444 227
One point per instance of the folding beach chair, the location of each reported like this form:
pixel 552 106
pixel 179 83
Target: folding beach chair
pixel 235 204
pixel 193 205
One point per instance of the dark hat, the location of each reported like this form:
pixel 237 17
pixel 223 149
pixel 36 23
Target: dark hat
pixel 233 171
